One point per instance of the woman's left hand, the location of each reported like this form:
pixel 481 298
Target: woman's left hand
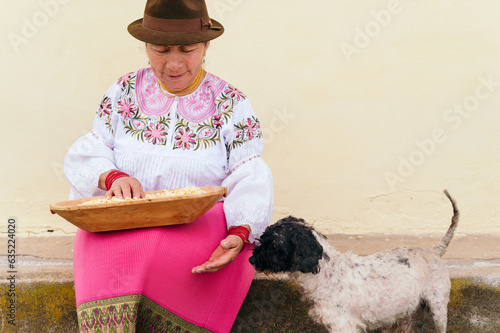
pixel 224 254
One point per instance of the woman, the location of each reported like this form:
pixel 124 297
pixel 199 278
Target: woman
pixel 170 125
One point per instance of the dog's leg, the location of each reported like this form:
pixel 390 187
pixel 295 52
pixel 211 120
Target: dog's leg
pixel 405 324
pixel 438 306
pixel 437 298
pixel 439 313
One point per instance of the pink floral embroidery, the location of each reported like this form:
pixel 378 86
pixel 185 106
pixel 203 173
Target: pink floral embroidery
pixel 234 93
pixel 250 128
pixel 201 104
pixel 126 107
pixel 105 107
pixel 218 122
pixel 185 138
pixel 125 79
pixel 208 132
pixel 204 96
pixel 139 125
pixel 150 89
pixel 145 112
pixel 245 131
pixel 155 133
pixel 150 99
pixel 197 107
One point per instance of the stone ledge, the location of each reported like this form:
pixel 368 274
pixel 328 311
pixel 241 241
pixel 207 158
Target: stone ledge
pixel 472 246
pixel 45 259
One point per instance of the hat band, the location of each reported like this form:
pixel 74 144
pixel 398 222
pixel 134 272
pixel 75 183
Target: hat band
pixel 175 25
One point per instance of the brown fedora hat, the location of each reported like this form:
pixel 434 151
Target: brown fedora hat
pixel 175 22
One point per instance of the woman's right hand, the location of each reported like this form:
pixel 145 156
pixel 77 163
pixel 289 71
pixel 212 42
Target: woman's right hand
pixel 122 188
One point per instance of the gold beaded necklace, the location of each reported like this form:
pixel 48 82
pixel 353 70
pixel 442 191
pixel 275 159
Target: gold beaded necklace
pixel 189 89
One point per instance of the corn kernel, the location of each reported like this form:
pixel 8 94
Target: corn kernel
pixel 162 194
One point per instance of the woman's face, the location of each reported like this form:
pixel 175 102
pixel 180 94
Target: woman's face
pixel 176 66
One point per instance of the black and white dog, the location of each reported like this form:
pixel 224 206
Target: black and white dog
pixel 352 293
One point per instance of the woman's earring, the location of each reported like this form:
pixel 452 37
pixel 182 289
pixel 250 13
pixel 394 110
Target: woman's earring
pixel 203 63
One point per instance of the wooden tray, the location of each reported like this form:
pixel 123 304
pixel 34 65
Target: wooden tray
pixel 143 213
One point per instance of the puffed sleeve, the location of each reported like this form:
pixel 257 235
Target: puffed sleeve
pixel 92 154
pixel 250 196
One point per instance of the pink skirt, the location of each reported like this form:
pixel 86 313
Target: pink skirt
pixel 141 281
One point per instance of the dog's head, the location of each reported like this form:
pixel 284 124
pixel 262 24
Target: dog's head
pixel 287 246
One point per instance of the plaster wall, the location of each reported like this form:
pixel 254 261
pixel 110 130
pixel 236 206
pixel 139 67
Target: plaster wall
pixel 369 108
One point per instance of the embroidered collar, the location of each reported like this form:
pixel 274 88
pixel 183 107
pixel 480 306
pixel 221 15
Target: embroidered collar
pixel 195 107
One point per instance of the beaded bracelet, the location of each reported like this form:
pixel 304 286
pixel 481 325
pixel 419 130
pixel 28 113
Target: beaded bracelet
pixel 112 176
pixel 240 231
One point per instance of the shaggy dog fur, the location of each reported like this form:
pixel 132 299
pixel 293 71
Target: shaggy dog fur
pixel 352 293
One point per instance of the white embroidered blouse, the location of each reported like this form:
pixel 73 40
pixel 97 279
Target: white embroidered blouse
pixel 209 137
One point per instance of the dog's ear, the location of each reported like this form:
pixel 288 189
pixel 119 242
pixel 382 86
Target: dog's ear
pixel 308 251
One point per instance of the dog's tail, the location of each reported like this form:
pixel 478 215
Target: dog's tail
pixel 440 248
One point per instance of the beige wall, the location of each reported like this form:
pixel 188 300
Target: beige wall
pixel 369 108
